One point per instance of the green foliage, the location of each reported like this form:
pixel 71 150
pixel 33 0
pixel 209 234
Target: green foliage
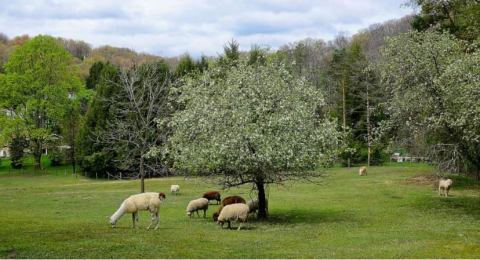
pixel 202 64
pixel 98 164
pixel 356 153
pixel 231 51
pixel 35 88
pixel 116 136
pixel 95 122
pixel 17 145
pixel 257 56
pixel 95 74
pixel 185 66
pixel 56 156
pixel 459 17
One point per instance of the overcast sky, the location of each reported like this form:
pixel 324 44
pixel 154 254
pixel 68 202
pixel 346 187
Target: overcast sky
pixel 173 27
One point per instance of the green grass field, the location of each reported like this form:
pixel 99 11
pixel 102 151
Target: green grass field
pixel 394 212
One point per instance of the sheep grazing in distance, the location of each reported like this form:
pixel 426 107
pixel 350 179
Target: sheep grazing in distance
pixel 362 171
pixel 444 184
pixel 227 201
pixel 254 204
pixel 233 212
pixel 144 201
pixel 212 195
pixel 196 205
pixel 175 189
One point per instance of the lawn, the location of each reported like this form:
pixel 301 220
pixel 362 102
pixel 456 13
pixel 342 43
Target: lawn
pixel 394 212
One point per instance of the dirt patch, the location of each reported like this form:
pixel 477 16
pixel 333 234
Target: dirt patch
pixel 422 180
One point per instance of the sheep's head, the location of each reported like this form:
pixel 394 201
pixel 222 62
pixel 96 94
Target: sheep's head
pixel 113 222
pixel 161 196
pixel 449 182
pixel 221 223
pixel 215 216
pixel 189 214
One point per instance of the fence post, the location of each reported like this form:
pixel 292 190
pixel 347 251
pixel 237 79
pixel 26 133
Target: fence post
pixel 96 175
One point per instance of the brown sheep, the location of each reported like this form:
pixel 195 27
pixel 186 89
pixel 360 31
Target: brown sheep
pixel 362 171
pixel 227 201
pixel 212 195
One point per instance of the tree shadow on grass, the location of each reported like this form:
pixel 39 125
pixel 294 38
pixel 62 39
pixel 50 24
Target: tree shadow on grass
pixel 461 205
pixel 300 216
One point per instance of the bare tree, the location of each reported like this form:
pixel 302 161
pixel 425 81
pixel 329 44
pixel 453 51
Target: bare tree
pixel 79 49
pixel 132 130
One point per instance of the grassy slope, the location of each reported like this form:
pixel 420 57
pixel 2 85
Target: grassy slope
pixel 346 216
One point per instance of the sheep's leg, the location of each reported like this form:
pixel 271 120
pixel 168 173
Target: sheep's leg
pixel 239 225
pixel 153 218
pixel 133 219
pixel 157 220
pixel 204 213
pixel 229 227
pixel 446 192
pixel 198 214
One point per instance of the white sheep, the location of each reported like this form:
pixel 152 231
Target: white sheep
pixel 362 171
pixel 196 205
pixel 144 201
pixel 444 184
pixel 253 206
pixel 175 189
pixel 233 212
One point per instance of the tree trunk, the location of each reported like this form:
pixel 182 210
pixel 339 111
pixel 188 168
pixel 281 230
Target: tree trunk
pixel 73 158
pixel 369 138
pixel 74 167
pixel 344 113
pixel 262 209
pixel 37 155
pixel 142 176
pixel 344 106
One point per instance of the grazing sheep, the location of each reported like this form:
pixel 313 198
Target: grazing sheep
pixel 362 171
pixel 144 201
pixel 444 184
pixel 212 195
pixel 253 206
pixel 196 205
pixel 175 189
pixel 227 201
pixel 233 212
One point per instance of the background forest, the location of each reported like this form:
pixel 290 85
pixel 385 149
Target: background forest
pixel 407 86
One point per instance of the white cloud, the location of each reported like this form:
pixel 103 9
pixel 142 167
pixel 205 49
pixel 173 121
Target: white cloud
pixel 171 28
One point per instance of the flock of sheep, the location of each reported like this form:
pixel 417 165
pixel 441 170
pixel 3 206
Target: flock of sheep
pixel 232 208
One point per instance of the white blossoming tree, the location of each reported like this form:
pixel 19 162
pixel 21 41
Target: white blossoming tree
pixel 433 84
pixel 251 124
